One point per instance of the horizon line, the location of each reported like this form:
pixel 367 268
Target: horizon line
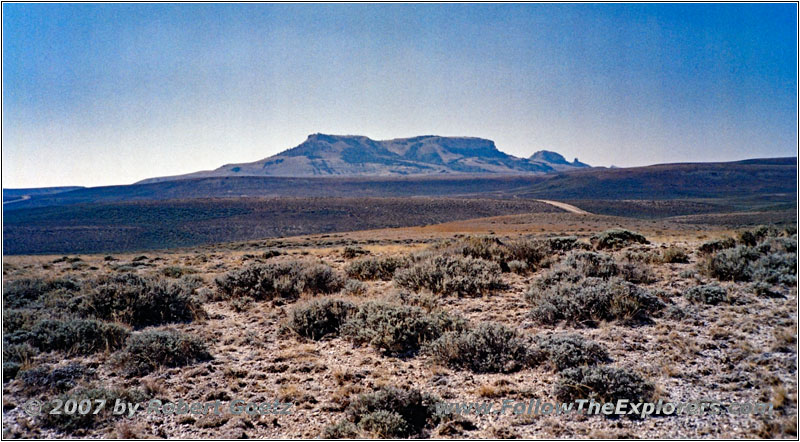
pixel 404 177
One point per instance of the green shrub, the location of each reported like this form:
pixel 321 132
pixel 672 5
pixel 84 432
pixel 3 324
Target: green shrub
pixel 72 422
pixel 242 303
pixel 15 320
pixel 786 245
pixel 578 265
pixel 81 336
pixel 676 312
pixel 383 424
pixel 320 279
pixel 480 247
pixel 281 280
pixel 772 261
pixel 603 384
pixel 642 255
pixel 396 329
pixel 777 245
pixel 765 290
pixel 556 276
pixel 716 245
pixel 391 412
pixel 28 292
pixel 531 252
pixel 636 272
pixel 255 281
pixel 351 252
pixel 343 429
pixel 617 238
pixel 591 264
pixel 60 379
pixel 568 351
pixel 426 301
pixel 519 267
pixel 675 255
pixel 147 350
pixel 22 353
pixel 565 243
pixel 319 318
pixel 375 268
pixel 177 272
pixel 15 356
pixel 730 264
pixel 707 294
pixel 449 275
pixel 489 348
pixel 354 287
pixel 775 268
pixel 16 337
pixel 271 253
pixel 10 370
pixel 142 301
pixel 592 300
pixel 754 236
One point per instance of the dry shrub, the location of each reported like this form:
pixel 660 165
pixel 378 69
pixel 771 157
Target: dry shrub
pixel 367 269
pixel 282 280
pixel 592 300
pixel 488 348
pixel 395 329
pixel 450 275
pixel 603 384
pixel 320 318
pixel 148 350
pixel 617 239
pixel 142 301
pixel 81 336
pixel 562 351
pixel 388 412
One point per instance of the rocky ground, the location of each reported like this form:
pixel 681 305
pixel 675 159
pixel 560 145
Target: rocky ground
pixel 743 348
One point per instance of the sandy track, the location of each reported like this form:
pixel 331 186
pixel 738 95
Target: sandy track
pixel 23 198
pixel 568 207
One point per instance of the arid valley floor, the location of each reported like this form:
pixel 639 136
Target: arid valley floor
pixel 345 326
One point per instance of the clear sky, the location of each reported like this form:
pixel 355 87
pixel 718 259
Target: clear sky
pixel 98 94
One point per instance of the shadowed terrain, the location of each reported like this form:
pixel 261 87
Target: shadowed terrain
pixel 163 224
pixel 210 210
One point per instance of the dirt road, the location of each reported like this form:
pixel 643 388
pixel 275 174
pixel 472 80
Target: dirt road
pixel 22 198
pixel 568 207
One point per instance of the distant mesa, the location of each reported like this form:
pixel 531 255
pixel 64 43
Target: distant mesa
pixel 556 159
pixel 322 155
pixel 549 156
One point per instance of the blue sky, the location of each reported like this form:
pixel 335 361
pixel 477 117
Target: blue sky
pixel 99 94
